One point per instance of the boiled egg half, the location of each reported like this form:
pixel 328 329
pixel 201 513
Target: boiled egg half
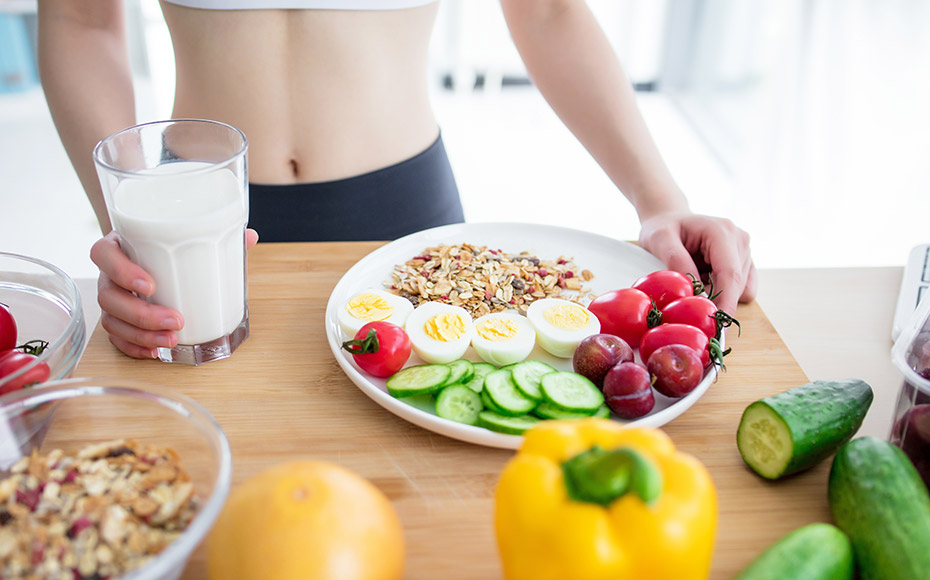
pixel 560 325
pixel 503 338
pixel 439 333
pixel 372 305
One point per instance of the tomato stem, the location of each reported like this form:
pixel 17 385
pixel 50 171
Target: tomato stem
pixel 654 316
pixel 724 320
pixel 34 347
pixel 366 345
pixel 696 285
pixel 716 353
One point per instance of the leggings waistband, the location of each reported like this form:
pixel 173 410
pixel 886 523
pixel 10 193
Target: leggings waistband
pixel 385 204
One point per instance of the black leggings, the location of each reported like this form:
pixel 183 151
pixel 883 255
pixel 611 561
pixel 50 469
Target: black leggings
pixel 413 195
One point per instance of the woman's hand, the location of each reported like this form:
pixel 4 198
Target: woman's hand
pixel 702 245
pixel 133 325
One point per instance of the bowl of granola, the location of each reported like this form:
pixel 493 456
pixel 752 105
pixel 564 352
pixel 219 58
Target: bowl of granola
pixel 106 478
pixel 42 327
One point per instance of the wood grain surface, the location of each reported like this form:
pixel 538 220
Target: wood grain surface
pixel 282 396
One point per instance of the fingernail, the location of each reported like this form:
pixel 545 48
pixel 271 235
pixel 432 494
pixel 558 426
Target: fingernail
pixel 142 287
pixel 163 341
pixel 171 323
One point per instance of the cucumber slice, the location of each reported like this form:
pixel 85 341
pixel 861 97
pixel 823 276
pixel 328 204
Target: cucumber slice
pixel 571 392
pixel 502 424
pixel 488 403
pixel 482 369
pixel 545 410
pixel 425 402
pixel 796 429
pixel 418 380
pixel 459 403
pixel 504 394
pixel 527 374
pixel 462 371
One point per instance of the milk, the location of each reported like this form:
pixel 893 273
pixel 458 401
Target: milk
pixel 185 227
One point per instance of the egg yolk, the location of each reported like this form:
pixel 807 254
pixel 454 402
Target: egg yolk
pixel 369 307
pixel 445 327
pixel 567 316
pixel 497 329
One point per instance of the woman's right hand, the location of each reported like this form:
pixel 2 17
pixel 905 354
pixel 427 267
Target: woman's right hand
pixel 133 325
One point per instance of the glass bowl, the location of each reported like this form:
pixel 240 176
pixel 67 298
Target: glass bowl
pixel 46 305
pixel 911 356
pixel 73 414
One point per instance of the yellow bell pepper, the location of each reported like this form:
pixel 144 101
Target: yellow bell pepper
pixel 590 499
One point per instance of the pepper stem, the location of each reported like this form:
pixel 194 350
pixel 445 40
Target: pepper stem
pixel 600 476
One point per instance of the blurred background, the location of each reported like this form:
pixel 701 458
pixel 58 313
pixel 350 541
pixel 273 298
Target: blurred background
pixel 804 121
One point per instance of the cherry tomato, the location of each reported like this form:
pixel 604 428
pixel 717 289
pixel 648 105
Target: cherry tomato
pixel 626 313
pixel 694 310
pixel 700 312
pixel 675 333
pixel 380 348
pixel 12 362
pixel 665 286
pixel 7 329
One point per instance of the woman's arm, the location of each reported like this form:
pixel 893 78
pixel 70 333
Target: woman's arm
pixel 85 73
pixel 572 63
pixel 86 77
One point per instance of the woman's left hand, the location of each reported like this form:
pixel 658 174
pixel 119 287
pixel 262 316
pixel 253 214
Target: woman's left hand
pixel 701 245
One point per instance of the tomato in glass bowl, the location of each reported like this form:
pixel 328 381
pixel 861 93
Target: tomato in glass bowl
pixel 42 317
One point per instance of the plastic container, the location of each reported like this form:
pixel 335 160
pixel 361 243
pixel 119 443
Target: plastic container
pixel 46 305
pixel 18 71
pixel 911 355
pixel 74 413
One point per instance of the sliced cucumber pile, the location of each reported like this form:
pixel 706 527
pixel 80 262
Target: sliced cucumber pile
pixel 509 399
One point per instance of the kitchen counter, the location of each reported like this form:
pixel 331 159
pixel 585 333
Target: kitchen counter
pixel 282 396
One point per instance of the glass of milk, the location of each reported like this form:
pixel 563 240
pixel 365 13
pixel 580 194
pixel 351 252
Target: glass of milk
pixel 177 195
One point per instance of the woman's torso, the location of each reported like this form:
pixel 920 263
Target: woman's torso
pixel 320 94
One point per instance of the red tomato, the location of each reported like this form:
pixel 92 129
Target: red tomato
pixel 694 310
pixel 675 334
pixel 626 313
pixel 12 362
pixel 700 312
pixel 7 329
pixel 665 286
pixel 380 348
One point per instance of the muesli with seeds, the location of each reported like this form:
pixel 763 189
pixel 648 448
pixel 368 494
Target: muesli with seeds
pixel 95 514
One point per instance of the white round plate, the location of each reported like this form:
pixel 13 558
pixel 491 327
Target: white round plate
pixel 615 264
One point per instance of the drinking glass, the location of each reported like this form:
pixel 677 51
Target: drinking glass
pixel 177 195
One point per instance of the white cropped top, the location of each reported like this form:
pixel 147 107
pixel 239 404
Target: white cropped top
pixel 302 4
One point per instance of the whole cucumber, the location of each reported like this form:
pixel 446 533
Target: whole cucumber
pixel 814 552
pixel 879 500
pixel 796 429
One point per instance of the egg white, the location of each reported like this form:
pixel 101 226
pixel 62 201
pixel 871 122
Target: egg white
pixel 432 350
pixel 508 351
pixel 557 341
pixel 401 309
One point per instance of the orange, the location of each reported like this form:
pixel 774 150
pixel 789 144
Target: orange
pixel 306 520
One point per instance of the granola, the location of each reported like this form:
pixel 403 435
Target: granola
pixel 484 280
pixel 96 514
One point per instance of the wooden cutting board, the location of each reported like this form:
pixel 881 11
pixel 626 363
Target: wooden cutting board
pixel 282 396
